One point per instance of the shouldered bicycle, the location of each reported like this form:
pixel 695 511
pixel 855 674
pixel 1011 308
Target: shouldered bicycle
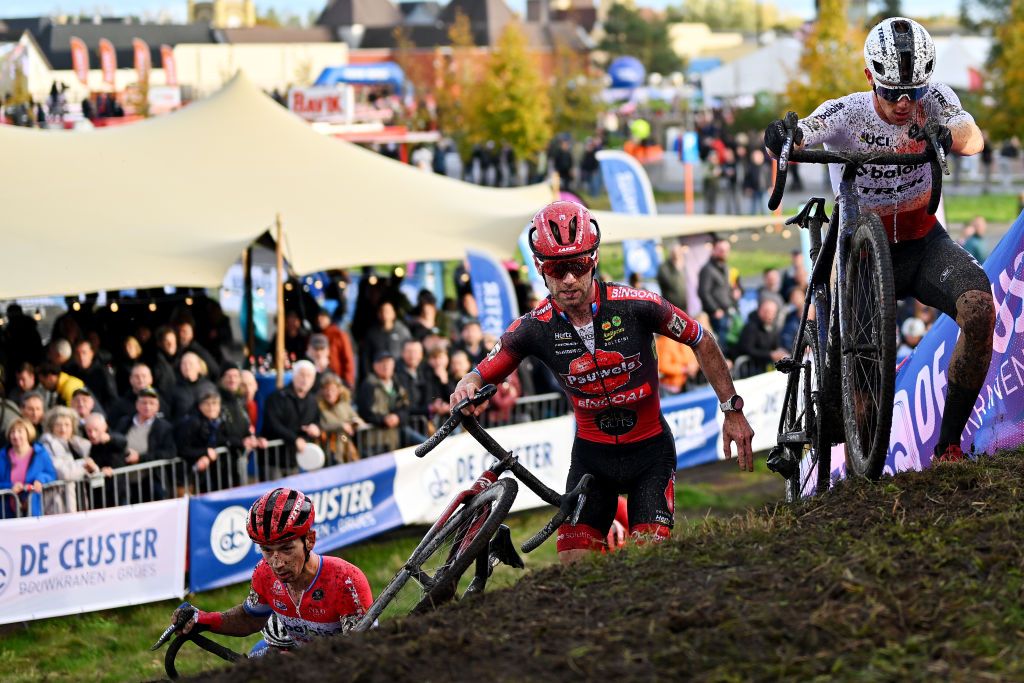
pixel 843 364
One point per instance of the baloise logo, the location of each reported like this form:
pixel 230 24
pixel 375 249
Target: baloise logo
pixel 613 371
pixel 228 538
pixel 6 570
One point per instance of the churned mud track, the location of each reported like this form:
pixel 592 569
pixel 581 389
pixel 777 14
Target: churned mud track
pixel 915 578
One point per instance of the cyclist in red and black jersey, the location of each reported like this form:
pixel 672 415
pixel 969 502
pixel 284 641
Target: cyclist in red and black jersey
pixel 309 595
pixel 598 340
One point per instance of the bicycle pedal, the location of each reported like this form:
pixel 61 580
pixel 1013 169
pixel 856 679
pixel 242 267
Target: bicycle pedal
pixel 787 365
pixel 781 461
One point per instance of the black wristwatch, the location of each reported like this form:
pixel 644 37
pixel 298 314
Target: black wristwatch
pixel 733 404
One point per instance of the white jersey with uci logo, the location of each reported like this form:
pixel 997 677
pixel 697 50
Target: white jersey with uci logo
pixel 898 194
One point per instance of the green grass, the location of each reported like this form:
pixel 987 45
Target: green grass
pixel 113 645
pixel 996 208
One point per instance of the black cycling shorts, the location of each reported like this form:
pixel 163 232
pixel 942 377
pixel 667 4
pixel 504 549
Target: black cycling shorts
pixel 644 471
pixel 936 271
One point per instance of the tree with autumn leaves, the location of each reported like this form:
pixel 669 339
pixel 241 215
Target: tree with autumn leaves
pixel 1003 119
pixel 832 62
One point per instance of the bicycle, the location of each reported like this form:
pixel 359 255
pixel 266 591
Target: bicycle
pixel 470 530
pixel 850 347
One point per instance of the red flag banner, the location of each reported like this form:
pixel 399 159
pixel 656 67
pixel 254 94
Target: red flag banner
pixel 170 66
pixel 975 80
pixel 108 61
pixel 141 52
pixel 80 59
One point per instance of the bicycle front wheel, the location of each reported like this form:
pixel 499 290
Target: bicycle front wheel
pixel 803 413
pixel 445 556
pixel 868 349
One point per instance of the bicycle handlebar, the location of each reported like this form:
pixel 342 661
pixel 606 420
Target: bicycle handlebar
pixel 933 155
pixel 185 613
pixel 484 394
pixel 571 505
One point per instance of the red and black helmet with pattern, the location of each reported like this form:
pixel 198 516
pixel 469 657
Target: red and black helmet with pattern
pixel 278 516
pixel 563 230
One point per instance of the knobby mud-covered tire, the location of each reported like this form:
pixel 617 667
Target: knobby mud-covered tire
pixel 463 538
pixel 869 350
pixel 804 415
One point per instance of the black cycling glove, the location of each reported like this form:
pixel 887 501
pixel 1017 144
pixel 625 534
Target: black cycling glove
pixel 943 135
pixel 775 136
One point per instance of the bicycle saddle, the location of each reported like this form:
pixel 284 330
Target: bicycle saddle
pixel 815 207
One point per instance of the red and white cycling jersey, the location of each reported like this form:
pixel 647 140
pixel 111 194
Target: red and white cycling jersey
pixel 898 194
pixel 338 596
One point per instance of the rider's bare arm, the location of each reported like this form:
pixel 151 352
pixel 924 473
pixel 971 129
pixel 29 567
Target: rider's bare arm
pixel 967 138
pixel 736 428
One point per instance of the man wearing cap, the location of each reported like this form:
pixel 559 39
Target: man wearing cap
pixel 319 354
pixel 383 403
pixel 150 438
pixel 140 377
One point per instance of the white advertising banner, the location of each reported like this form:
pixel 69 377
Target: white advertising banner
pixel 81 562
pixel 424 486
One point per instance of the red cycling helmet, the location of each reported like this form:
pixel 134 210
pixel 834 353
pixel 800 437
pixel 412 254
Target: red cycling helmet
pixel 278 516
pixel 564 230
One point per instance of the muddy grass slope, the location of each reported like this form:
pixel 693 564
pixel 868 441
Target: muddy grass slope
pixel 915 578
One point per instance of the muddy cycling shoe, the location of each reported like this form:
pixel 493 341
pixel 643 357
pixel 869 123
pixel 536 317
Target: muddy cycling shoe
pixel 953 453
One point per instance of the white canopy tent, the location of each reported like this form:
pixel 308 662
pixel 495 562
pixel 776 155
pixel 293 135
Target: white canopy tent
pixel 175 200
pixel 767 69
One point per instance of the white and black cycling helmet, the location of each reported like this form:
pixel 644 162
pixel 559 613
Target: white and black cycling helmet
pixel 276 634
pixel 899 53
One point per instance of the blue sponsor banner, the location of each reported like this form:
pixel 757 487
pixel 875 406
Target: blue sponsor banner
pixel 494 293
pixel 693 418
pixel 922 380
pixel 352 502
pixel 629 191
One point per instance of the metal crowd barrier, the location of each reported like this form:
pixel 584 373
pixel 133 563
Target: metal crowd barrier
pixel 53 499
pixel 235 467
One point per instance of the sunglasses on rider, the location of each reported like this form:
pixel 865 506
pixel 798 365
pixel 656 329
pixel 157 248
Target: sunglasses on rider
pixel 558 269
pixel 894 95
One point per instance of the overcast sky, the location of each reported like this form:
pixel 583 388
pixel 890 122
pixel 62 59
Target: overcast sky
pixel 16 8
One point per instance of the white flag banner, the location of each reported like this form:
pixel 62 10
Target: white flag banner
pixel 86 561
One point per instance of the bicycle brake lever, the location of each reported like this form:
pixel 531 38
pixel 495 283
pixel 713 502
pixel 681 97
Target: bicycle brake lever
pixel 183 618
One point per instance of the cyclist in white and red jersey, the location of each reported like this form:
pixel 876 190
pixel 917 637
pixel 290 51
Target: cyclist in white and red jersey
pixel 899 58
pixel 310 596
pixel 598 340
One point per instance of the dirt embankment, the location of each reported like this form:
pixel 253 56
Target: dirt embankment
pixel 915 578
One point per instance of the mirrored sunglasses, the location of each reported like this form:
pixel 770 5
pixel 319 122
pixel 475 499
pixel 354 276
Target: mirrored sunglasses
pixel 896 94
pixel 559 268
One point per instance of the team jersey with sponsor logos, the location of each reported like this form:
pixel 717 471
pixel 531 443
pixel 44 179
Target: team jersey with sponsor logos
pixel 898 194
pixel 614 389
pixel 338 597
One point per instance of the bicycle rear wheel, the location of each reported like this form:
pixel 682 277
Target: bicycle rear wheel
pixel 869 348
pixel 445 556
pixel 803 413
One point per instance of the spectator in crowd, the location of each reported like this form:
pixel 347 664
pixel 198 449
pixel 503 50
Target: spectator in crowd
pixel 23 342
pixel 234 401
pixel 96 376
pixel 129 356
pixel 754 181
pixel 25 382
pixel 791 324
pixel 387 335
pixel 677 364
pixel 499 409
pixel 150 438
pixel 715 290
pixel 69 453
pixel 424 317
pixel 33 410
pixel 672 275
pixel 187 343
pixel 338 418
pixel 458 365
pixel 204 430
pixel 759 340
pixel 25 466
pixel 193 380
pixel 109 450
pixel 974 238
pixel 319 354
pixel 250 387
pixel 912 331
pixel 471 340
pixel 58 351
pixel 411 374
pixel 712 177
pixel 384 404
pixel 342 359
pixel 1009 153
pixel 59 385
pixel 771 286
pixel 562 163
pixel 730 182
pixel 986 164
pixel 590 167
pixel 296 336
pixel 164 360
pixel 795 276
pixel 437 381
pixel 291 414
pixel 84 404
pixel 140 377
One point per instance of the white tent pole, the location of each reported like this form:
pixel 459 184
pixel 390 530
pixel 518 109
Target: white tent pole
pixel 279 347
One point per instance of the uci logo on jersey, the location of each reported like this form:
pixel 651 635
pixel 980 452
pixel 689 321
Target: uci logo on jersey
pixel 869 138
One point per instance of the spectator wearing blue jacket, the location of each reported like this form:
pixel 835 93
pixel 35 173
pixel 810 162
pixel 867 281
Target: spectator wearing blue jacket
pixel 25 466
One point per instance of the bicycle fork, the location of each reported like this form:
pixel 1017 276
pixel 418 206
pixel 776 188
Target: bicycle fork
pixel 500 550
